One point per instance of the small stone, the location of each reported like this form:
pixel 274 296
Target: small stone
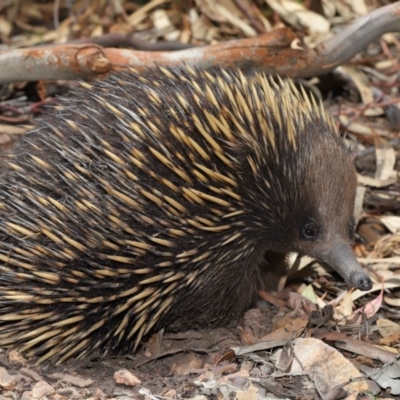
pixel 247 366
pixel 99 394
pixel 32 375
pixel 42 389
pixel 187 364
pixel 73 380
pixel 68 392
pixel 169 394
pixel 27 395
pixel 15 358
pixel 7 381
pixel 9 395
pixel 125 377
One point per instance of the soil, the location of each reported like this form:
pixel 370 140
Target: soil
pixel 167 364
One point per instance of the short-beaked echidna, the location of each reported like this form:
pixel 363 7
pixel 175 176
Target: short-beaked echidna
pixel 149 200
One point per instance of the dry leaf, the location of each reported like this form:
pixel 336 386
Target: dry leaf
pixel 393 283
pixel 139 15
pixel 345 309
pixel 358 206
pixel 5 27
pixel 387 327
pixel 389 377
pixel 358 6
pixel 327 367
pixel 309 293
pixel 297 15
pixel 391 222
pixel 289 327
pixel 361 128
pixel 378 183
pixel 199 29
pixel 162 23
pixel 371 308
pixel 392 302
pixel 362 83
pixel 249 394
pixel 385 159
pixel 222 14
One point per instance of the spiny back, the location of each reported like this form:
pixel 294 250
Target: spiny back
pixel 149 200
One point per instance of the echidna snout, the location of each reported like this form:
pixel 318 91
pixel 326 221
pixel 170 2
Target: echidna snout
pixel 341 258
pixel 149 200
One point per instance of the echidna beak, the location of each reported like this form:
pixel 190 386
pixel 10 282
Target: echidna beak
pixel 341 258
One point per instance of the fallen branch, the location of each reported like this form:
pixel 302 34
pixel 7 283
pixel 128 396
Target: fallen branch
pixel 279 51
pixel 131 41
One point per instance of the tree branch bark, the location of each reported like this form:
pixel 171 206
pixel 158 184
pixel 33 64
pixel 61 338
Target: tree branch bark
pixel 277 52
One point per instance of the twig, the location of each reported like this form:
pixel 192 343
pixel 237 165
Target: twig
pixel 245 9
pixel 130 41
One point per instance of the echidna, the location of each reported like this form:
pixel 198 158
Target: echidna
pixel 149 200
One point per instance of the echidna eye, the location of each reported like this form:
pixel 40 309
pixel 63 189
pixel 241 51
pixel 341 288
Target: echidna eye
pixel 309 232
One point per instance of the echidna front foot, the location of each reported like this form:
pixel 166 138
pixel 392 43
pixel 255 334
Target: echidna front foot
pixel 274 271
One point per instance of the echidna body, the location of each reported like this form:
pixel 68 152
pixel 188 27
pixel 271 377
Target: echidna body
pixel 150 200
